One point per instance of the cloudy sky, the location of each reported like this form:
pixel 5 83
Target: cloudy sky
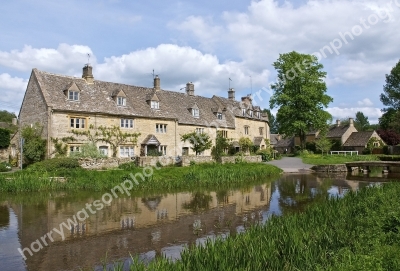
pixel 205 42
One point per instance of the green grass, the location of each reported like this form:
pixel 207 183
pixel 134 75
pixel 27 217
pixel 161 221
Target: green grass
pixel 318 159
pixel 359 232
pixel 165 179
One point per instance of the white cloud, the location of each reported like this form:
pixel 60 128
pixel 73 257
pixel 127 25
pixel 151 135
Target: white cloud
pixel 12 92
pixel 365 102
pixel 65 59
pixel 372 113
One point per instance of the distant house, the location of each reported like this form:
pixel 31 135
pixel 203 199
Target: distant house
pixel 358 141
pixel 347 136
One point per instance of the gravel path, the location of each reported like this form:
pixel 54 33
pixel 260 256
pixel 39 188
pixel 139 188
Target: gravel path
pixel 291 165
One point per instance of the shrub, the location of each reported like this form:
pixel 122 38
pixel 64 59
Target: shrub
pixel 128 166
pixel 54 164
pixel 265 154
pixel 4 167
pixel 34 148
pixel 4 138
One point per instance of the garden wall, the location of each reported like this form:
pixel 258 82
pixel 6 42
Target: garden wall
pixel 144 161
pixel 102 163
pixel 330 168
pixel 249 159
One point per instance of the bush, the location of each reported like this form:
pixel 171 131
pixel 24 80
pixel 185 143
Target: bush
pixel 88 150
pixel 54 164
pixel 265 154
pixel 4 167
pixel 128 166
pixel 4 138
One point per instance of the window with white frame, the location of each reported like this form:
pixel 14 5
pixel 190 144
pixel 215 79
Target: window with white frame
pixel 243 112
pixel 77 123
pixel 257 114
pixel 246 130
pixel 103 150
pixel 126 123
pixel 161 128
pixel 251 113
pixel 121 101
pixel 163 149
pixel 155 105
pixel 195 112
pixel 126 151
pixel 73 95
pixel 219 116
pixel 199 130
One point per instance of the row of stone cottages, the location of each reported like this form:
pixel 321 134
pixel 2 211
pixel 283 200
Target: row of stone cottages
pixel 64 103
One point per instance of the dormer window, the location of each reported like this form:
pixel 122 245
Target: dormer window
pixel 155 105
pixel 195 112
pixel 73 95
pixel 244 112
pixel 257 114
pixel 121 101
pixel 251 113
pixel 219 116
pixel 72 92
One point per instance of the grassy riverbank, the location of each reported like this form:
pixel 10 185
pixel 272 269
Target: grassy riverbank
pixel 163 179
pixel 318 159
pixel 359 232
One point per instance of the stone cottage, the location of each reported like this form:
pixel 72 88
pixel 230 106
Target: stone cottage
pixel 64 103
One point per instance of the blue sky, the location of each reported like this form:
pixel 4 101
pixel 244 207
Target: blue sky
pixel 205 42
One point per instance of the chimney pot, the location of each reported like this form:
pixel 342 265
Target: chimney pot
pixel 87 74
pixel 337 123
pixel 14 121
pixel 231 94
pixel 157 83
pixel 351 121
pixel 190 89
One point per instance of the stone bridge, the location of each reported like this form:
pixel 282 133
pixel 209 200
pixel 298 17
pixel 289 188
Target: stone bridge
pixel 386 165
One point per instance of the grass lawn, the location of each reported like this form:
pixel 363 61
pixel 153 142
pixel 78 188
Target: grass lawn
pixel 318 159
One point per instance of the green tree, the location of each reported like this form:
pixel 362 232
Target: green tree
pixel 323 144
pixel 221 144
pixel 245 144
pixel 391 90
pixel 34 148
pixel 300 95
pixel 6 116
pixel 273 124
pixel 361 122
pixel 199 141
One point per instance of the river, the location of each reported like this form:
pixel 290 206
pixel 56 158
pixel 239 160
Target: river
pixel 147 225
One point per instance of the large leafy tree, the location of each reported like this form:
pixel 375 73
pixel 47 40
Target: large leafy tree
pixel 273 124
pixel 199 141
pixel 6 116
pixel 391 90
pixel 361 122
pixel 300 95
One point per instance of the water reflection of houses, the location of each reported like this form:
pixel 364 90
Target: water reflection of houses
pixel 133 225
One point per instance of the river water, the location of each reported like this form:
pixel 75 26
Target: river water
pixel 147 225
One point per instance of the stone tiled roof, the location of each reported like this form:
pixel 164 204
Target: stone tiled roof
pixel 337 131
pixel 258 140
pixel 274 139
pixel 98 98
pixel 285 143
pixel 358 139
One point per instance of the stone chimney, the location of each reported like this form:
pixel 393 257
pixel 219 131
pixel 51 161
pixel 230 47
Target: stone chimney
pixel 337 123
pixel 351 121
pixel 157 83
pixel 190 89
pixel 231 94
pixel 14 121
pixel 87 74
pixel 247 100
pixel 278 137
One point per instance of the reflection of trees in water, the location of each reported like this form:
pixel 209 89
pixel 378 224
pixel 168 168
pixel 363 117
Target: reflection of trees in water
pixel 4 216
pixel 297 191
pixel 222 196
pixel 200 201
pixel 152 202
